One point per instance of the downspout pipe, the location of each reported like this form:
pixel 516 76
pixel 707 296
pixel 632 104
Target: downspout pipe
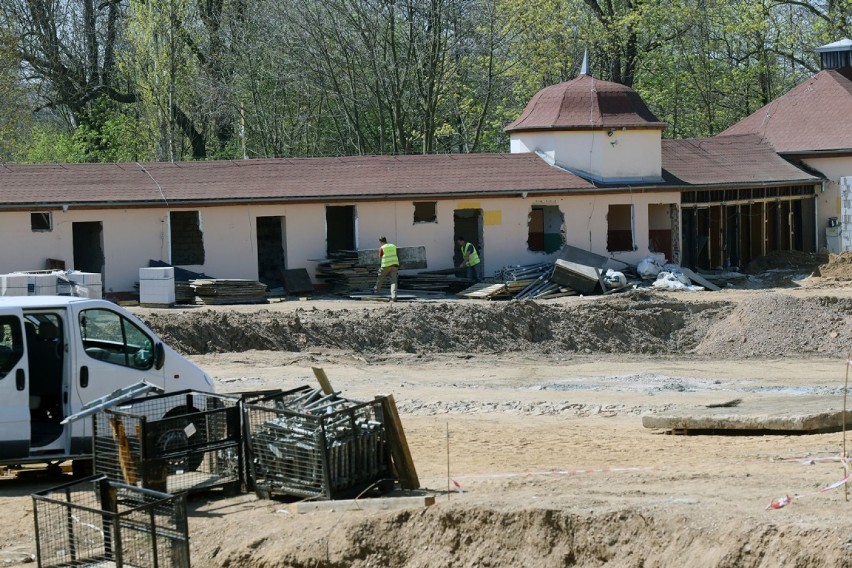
pixel 816 216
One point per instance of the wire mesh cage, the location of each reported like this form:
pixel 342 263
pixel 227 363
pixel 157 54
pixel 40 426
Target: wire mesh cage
pixel 99 522
pixel 184 441
pixel 306 444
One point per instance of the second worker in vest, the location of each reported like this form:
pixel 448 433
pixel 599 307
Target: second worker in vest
pixel 470 260
pixel 389 267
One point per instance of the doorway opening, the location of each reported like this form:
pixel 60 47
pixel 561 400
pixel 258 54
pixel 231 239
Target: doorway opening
pixel 271 259
pixel 340 228
pixel 467 223
pixel 88 245
pixel 661 222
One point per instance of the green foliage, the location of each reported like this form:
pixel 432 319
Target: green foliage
pixel 331 77
pixel 51 144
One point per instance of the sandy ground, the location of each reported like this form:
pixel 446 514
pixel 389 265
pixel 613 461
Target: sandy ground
pixel 539 458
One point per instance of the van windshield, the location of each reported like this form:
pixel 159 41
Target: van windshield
pixel 110 337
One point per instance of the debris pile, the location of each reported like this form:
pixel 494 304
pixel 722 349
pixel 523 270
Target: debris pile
pixel 219 291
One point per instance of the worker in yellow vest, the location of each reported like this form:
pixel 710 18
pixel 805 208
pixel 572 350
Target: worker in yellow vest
pixel 389 267
pixel 470 260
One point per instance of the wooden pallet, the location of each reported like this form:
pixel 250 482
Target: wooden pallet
pixel 484 291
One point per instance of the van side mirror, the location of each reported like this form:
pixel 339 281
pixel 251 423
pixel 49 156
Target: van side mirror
pixel 159 356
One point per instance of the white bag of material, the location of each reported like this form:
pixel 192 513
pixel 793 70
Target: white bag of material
pixel 674 281
pixel 649 268
pixel 615 279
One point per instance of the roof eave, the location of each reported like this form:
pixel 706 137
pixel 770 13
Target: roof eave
pixel 591 127
pixel 831 153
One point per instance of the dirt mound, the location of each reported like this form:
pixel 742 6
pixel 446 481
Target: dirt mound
pixel 445 536
pixel 787 260
pixel 772 324
pixel 641 322
pixel 838 267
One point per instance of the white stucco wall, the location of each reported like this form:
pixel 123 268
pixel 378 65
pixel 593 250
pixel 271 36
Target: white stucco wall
pixel 132 237
pixel 829 201
pixel 621 155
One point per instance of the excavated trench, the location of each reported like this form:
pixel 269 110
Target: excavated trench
pixel 641 322
pixel 764 325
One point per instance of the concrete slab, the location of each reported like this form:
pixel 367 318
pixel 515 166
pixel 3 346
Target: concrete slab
pixel 793 414
pixel 409 257
pixel 377 504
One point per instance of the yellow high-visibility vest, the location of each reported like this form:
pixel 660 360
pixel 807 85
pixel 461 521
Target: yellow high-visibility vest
pixel 473 258
pixel 389 257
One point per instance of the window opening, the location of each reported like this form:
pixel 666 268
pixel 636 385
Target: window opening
pixel 425 212
pixel 545 229
pixel 41 221
pixel 187 237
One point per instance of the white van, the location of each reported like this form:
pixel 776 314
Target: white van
pixel 58 353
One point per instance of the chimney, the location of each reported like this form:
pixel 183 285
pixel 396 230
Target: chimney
pixel 836 55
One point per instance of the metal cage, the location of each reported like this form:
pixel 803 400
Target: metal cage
pixel 184 441
pixel 99 522
pixel 306 444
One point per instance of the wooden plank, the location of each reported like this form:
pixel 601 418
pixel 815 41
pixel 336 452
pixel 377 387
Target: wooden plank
pixel 398 444
pixel 322 378
pixel 125 456
pixel 378 504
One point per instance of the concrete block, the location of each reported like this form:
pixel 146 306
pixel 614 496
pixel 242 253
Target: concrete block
pixel 157 273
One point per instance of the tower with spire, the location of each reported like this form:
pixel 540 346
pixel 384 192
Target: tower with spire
pixel 600 130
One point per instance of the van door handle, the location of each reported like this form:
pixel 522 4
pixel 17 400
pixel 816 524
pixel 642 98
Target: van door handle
pixel 20 380
pixel 84 376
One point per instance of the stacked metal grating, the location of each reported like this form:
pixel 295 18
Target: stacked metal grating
pixel 99 522
pixel 543 286
pixel 184 441
pixel 307 444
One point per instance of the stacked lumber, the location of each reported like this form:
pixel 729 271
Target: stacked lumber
pixel 222 291
pixel 184 294
pixel 345 274
pixel 342 272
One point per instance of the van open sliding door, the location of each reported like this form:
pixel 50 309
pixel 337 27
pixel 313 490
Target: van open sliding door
pixel 14 388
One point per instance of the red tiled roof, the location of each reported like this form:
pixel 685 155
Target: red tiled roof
pixel 583 103
pixel 731 160
pixel 814 116
pixel 728 160
pixel 302 179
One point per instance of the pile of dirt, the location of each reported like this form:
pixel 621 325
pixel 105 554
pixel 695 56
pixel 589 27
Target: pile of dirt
pixel 838 267
pixel 640 322
pixel 787 260
pixel 770 325
pixel 444 536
